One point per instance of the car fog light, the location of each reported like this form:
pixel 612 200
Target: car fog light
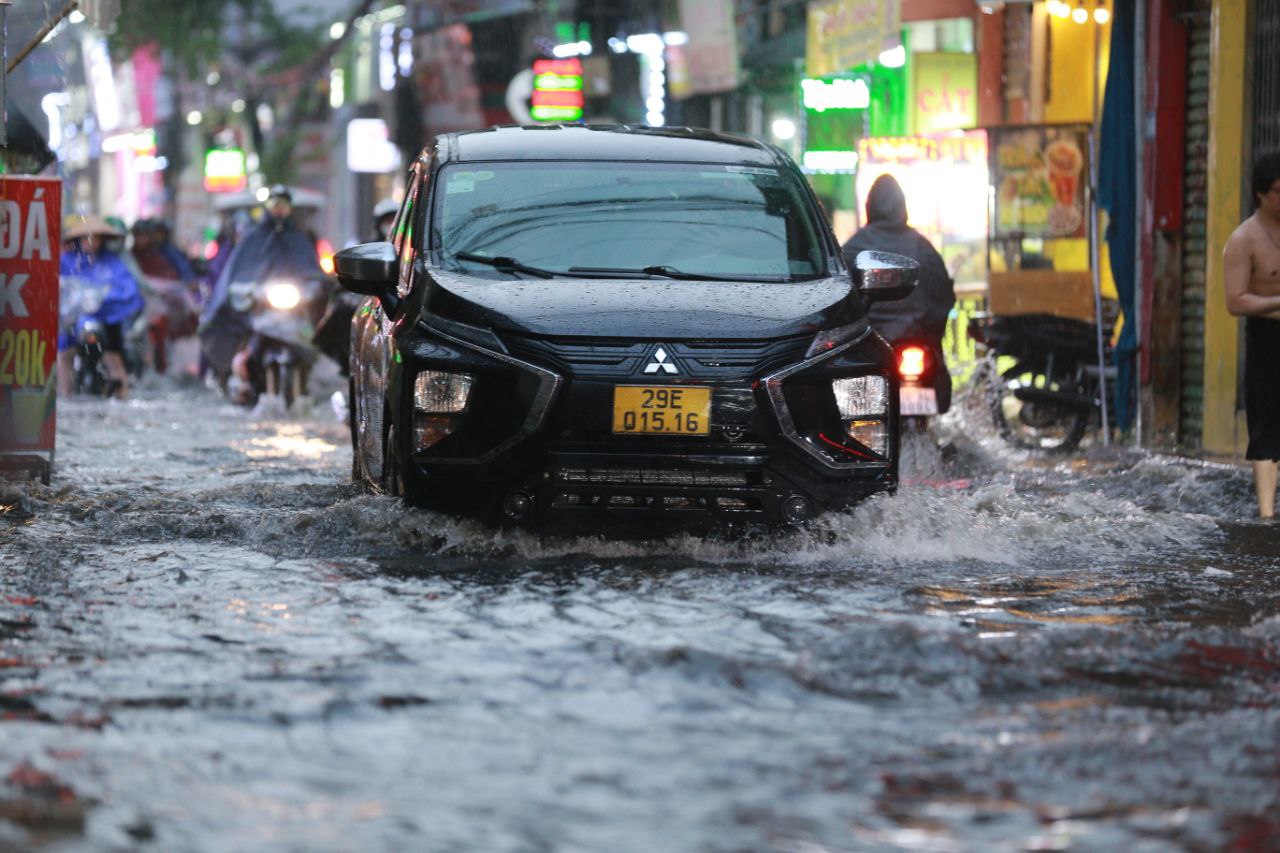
pixel 872 433
pixel 438 393
pixel 861 396
pixel 432 429
pixel 283 295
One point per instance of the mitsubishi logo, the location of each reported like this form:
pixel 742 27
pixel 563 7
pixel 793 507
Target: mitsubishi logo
pixel 660 362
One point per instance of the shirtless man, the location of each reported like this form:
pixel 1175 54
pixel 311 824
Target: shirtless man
pixel 1251 263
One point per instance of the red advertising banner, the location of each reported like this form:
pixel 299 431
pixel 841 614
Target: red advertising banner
pixel 30 240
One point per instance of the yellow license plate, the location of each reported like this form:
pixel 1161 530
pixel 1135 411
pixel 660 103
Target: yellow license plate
pixel 661 410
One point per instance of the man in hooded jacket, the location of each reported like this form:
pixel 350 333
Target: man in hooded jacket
pixel 276 248
pixel 922 316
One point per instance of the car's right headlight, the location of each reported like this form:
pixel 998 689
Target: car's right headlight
pixel 863 402
pixel 439 400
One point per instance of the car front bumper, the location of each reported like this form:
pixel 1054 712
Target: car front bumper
pixel 563 466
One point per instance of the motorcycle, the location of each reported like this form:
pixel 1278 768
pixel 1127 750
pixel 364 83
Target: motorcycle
pixel 918 363
pixel 78 300
pixel 1041 378
pixel 279 352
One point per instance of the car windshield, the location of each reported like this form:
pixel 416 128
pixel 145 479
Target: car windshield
pixel 673 220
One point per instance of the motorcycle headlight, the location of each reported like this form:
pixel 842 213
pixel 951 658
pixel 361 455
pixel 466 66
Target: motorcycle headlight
pixel 283 295
pixel 863 402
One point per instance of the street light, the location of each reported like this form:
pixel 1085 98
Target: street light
pixel 784 129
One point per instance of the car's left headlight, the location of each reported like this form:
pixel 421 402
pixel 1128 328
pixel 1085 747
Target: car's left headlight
pixel 283 295
pixel 439 400
pixel 863 402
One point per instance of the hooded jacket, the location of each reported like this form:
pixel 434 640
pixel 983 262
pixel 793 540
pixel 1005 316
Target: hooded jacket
pixel 924 313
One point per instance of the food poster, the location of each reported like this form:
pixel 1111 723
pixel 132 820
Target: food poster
pixel 30 228
pixel 1041 181
pixel 944 178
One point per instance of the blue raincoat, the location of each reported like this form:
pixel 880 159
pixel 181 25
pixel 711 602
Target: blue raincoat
pixel 121 299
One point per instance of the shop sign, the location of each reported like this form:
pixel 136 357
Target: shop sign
pixel 30 231
pixel 945 91
pixel 557 90
pixel 711 55
pixel 830 162
pixel 840 93
pixel 369 147
pixel 844 34
pixel 1040 176
pixel 224 171
pixel 944 178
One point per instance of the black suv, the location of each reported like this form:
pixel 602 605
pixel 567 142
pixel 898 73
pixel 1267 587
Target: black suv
pixel 624 323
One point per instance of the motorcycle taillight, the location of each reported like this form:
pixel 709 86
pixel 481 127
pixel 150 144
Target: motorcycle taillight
pixel 912 363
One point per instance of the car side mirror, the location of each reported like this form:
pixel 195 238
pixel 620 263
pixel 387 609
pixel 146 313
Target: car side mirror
pixel 368 269
pixel 884 276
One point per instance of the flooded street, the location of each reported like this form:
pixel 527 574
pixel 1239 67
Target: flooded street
pixel 211 640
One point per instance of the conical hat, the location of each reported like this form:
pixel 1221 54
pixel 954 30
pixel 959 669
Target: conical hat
pixel 82 225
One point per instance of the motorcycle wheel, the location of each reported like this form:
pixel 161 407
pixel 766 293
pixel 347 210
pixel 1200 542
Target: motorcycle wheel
pixel 1034 425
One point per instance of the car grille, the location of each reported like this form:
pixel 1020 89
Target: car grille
pixel 650 477
pixel 608 358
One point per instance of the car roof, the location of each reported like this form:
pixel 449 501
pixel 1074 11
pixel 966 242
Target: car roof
pixel 606 142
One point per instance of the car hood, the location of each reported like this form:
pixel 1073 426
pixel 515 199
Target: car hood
pixel 649 308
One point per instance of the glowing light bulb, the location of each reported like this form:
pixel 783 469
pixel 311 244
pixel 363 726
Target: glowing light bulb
pixel 1080 15
pixel 1101 15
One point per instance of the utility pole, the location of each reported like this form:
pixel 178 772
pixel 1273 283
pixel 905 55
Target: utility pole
pixel 4 72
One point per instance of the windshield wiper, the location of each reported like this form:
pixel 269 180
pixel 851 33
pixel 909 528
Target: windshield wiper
pixel 502 263
pixel 658 269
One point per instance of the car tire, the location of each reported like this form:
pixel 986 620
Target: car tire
pixel 357 469
pixel 392 481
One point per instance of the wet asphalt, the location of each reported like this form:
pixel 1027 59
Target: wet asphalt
pixel 211 640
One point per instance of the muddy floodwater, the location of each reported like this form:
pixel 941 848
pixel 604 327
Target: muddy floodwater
pixel 211 640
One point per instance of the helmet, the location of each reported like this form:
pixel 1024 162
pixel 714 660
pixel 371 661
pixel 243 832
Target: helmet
pixel 280 191
pixel 384 208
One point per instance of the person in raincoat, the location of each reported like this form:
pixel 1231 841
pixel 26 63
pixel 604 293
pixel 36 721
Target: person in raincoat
pixel 922 316
pixel 85 257
pixel 275 248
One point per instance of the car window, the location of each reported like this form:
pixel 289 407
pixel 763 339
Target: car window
pixel 717 221
pixel 403 230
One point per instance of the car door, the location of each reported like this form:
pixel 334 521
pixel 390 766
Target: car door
pixel 371 338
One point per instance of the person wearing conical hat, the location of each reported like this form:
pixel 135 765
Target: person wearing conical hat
pixel 84 256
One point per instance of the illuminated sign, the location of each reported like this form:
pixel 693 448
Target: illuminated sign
pixel 557 90
pixel 224 170
pixel 369 147
pixel 843 93
pixel 831 162
pixel 945 91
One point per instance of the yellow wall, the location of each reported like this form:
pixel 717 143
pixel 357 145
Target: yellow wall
pixel 1078 55
pixel 1073 51
pixel 1223 428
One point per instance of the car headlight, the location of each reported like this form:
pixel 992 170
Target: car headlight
pixel 439 399
pixel 863 402
pixel 438 393
pixel 283 295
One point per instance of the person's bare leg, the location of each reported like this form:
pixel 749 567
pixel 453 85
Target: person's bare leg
pixel 66 372
pixel 1264 483
pixel 115 369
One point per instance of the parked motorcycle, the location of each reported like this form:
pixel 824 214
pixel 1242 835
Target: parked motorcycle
pixel 1040 377
pixel 280 351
